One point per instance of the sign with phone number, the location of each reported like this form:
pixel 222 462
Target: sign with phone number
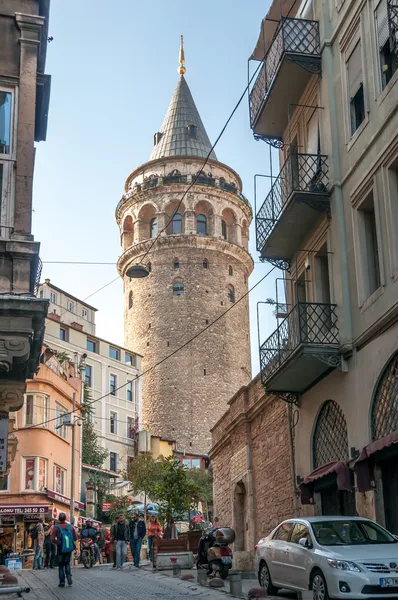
pixel 23 510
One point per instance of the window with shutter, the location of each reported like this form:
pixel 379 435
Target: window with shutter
pixel 355 88
pixel 387 60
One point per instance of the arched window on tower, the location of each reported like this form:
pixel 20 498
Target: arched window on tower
pixel 153 227
pixel 230 271
pixel 178 288
pixel 130 299
pixel 149 267
pixel 191 131
pixel 201 224
pixel 176 223
pixel 231 293
pixel 224 229
pixel 176 263
pixel 205 264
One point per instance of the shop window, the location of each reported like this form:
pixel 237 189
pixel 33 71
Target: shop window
pixel 60 428
pixel 34 474
pixel 330 441
pixel 60 480
pixel 36 409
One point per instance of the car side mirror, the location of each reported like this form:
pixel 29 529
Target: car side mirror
pixel 304 543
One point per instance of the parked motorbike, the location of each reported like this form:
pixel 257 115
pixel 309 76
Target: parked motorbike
pixel 214 552
pixel 87 553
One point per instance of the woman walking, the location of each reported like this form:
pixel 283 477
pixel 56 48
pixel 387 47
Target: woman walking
pixel 154 531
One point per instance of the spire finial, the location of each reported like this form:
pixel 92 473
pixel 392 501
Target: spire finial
pixel 181 68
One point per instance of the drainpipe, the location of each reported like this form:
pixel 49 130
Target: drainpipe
pixel 249 468
pixel 338 205
pixel 292 457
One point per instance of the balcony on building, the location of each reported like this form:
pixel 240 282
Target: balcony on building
pixel 297 196
pixel 289 50
pixel 303 349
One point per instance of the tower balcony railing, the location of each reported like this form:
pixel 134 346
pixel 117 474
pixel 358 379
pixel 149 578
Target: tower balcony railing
pixel 172 179
pixel 303 349
pixel 294 54
pixel 291 208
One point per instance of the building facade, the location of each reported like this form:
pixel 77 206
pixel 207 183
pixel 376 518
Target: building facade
pixel 189 225
pixel 112 373
pixel 251 457
pixel 326 95
pixel 24 100
pixel 39 482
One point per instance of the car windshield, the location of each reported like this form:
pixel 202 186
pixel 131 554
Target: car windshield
pixel 350 533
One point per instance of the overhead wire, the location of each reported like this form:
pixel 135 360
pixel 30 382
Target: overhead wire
pixel 152 367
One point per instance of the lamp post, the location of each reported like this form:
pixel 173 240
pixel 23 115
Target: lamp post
pixel 80 367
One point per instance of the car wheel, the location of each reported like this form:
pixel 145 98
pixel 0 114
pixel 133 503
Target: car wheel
pixel 319 587
pixel 265 580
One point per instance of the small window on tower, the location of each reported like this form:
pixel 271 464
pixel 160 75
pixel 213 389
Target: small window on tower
pixel 205 264
pixel 230 270
pixel 192 131
pixel 149 267
pixel 176 263
pixel 130 299
pixel 157 137
pixel 178 289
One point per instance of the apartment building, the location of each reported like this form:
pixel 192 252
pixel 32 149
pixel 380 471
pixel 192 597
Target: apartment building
pixel 112 373
pixel 24 102
pixel 326 97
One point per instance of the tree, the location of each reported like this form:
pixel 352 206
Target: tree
pixel 143 472
pixel 92 452
pixel 174 491
pixel 203 480
pixel 120 506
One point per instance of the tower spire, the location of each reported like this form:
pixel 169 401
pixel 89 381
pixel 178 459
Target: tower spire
pixel 181 68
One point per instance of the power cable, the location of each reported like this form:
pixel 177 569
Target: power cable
pixel 169 355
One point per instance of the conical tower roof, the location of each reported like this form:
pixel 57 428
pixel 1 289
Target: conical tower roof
pixel 178 137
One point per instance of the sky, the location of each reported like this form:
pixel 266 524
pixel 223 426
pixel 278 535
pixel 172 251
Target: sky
pixel 114 69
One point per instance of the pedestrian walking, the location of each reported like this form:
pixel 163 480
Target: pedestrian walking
pixel 37 535
pixel 108 547
pixel 137 534
pixel 50 548
pixel 100 539
pixel 170 531
pixel 64 536
pixel 120 536
pixel 154 531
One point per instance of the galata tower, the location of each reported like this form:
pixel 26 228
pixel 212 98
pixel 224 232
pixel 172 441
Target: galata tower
pixel 199 267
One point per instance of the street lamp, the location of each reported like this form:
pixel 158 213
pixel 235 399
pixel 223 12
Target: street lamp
pixel 137 272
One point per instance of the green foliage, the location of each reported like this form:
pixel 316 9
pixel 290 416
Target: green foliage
pixel 120 506
pixel 175 492
pixel 203 480
pixel 63 357
pixel 144 472
pixel 92 452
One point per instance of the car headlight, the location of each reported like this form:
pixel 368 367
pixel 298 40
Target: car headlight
pixel 343 565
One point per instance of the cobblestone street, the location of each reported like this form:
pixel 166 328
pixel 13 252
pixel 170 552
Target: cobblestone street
pixel 102 583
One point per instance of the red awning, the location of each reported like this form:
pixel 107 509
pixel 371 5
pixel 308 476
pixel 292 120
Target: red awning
pixel 364 465
pixel 339 467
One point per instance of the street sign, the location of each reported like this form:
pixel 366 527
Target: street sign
pixel 14 564
pixel 107 506
pixel 3 444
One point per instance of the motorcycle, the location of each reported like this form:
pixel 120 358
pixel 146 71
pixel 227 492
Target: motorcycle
pixel 214 552
pixel 87 553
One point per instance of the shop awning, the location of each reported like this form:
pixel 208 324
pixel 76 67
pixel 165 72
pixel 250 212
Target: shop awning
pixel 268 26
pixel 338 467
pixel 364 465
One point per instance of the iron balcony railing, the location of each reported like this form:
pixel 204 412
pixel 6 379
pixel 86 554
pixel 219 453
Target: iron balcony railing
pixel 37 276
pixel 302 173
pixel 171 179
pixel 307 323
pixel 294 36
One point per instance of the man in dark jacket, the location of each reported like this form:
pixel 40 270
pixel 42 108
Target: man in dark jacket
pixel 120 534
pixel 137 534
pixel 63 557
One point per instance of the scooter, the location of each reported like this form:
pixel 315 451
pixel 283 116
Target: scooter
pixel 214 552
pixel 87 553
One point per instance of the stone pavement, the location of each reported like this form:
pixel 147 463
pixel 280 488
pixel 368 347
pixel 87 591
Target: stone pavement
pixel 105 583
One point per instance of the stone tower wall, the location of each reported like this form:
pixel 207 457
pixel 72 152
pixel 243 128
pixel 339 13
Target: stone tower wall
pixel 185 396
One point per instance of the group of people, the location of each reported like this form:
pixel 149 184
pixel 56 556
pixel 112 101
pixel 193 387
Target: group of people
pixel 122 533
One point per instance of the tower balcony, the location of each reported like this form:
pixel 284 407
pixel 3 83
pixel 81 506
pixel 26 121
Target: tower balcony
pixel 293 56
pixel 303 349
pixel 297 196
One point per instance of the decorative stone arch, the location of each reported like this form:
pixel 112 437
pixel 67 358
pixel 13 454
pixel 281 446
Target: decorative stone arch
pixel 245 234
pixel 172 220
pixel 229 230
pixel 127 232
pixel 204 207
pixel 330 436
pixel 240 516
pixel 384 407
pixel 146 213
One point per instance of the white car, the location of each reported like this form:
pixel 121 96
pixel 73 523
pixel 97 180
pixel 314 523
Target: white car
pixel 335 557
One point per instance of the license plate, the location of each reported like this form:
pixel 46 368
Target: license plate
pixel 227 561
pixel 389 582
